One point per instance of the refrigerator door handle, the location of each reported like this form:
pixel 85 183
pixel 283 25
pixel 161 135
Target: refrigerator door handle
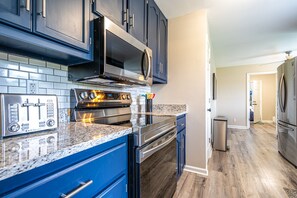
pixel 285 127
pixel 280 93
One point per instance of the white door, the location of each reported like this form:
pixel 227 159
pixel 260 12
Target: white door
pixel 257 100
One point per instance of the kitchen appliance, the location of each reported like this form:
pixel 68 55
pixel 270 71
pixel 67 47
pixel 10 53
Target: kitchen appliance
pixel 119 58
pixel 152 146
pixel 21 114
pixel 287 109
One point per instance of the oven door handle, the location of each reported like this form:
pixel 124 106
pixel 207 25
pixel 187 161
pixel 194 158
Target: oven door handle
pixel 146 154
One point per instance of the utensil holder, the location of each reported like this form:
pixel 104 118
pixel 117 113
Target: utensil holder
pixel 148 105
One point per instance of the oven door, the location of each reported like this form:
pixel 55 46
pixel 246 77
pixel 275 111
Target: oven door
pixel 156 168
pixel 125 57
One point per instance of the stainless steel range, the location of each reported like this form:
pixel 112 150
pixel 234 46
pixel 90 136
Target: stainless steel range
pixel 152 145
pixel 21 114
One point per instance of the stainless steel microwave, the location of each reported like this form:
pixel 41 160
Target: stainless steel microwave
pixel 119 58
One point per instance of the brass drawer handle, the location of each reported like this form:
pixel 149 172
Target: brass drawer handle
pixel 77 190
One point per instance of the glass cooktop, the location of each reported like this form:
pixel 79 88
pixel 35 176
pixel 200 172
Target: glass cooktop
pixel 132 120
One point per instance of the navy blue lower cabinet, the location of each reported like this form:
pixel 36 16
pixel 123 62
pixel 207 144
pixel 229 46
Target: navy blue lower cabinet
pixel 97 172
pixel 181 144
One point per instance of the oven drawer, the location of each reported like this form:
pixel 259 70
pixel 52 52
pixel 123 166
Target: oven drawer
pixel 102 174
pixel 181 123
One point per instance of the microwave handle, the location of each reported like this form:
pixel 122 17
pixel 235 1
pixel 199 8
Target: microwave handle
pixel 149 65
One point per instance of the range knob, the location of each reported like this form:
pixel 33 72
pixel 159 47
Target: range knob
pixel 13 127
pixel 50 123
pixel 128 97
pixel 124 97
pixel 84 95
pixel 93 95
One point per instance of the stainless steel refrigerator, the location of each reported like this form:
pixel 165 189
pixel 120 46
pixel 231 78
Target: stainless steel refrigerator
pixel 287 109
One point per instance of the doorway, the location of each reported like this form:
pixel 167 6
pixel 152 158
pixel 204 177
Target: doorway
pixel 255 100
pixel 261 100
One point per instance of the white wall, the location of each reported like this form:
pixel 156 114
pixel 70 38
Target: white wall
pixel 187 51
pixel 232 91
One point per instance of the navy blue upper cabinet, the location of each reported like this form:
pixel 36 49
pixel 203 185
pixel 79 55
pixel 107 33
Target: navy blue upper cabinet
pixel 16 13
pixel 137 19
pixel 153 34
pixel 66 21
pixel 163 48
pixel 157 41
pixel 115 10
pixel 128 14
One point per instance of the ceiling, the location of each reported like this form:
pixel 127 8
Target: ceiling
pixel 244 32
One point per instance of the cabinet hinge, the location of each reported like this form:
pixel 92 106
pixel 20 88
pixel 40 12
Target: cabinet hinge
pixel 147 1
pixel 126 187
pixel 90 41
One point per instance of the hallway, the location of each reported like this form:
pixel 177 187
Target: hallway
pixel 251 168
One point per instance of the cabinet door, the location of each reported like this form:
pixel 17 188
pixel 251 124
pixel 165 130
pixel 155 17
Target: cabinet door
pixel 153 34
pixel 115 10
pixel 16 13
pixel 66 21
pixel 163 48
pixel 103 173
pixel 183 150
pixel 178 154
pixel 116 189
pixel 137 19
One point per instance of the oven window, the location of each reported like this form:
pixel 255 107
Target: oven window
pixel 123 55
pixel 157 174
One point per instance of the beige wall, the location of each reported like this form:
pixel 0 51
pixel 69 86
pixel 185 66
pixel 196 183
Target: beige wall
pixel 186 79
pixel 232 91
pixel 268 94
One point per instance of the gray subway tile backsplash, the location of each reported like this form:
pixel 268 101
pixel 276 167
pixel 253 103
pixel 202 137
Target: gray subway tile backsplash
pixel 21 90
pixel 46 84
pixel 3 72
pixel 18 74
pixel 19 59
pixel 3 56
pixel 53 65
pixel 44 70
pixel 28 68
pixel 60 73
pixel 3 89
pixel 51 78
pixel 9 82
pixel 37 62
pixel 9 65
pixel 34 76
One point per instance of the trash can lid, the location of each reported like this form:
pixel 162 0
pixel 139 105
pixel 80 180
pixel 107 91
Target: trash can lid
pixel 223 118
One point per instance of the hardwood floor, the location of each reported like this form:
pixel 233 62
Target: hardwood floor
pixel 251 168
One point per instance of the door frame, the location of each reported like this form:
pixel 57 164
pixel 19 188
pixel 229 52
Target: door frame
pixel 248 94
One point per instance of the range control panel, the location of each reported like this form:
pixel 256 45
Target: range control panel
pixel 22 114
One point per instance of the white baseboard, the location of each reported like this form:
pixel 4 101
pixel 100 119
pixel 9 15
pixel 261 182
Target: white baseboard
pixel 237 127
pixel 193 169
pixel 267 121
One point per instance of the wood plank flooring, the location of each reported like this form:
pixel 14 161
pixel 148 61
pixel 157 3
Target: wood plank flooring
pixel 251 168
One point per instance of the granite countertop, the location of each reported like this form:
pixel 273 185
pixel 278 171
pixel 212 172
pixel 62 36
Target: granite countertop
pixel 22 153
pixel 169 109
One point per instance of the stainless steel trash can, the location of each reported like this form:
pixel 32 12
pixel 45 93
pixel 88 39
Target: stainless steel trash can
pixel 220 124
